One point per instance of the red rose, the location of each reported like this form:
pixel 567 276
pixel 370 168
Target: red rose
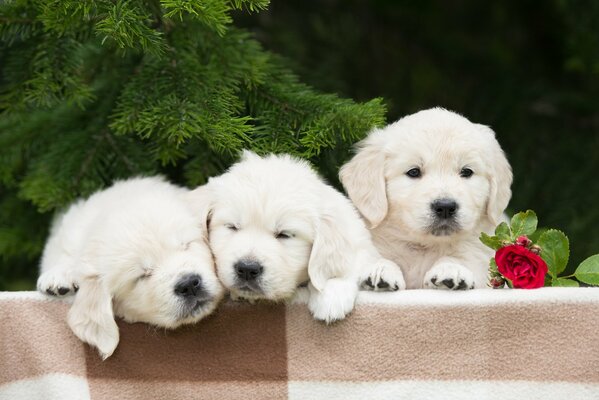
pixel 524 268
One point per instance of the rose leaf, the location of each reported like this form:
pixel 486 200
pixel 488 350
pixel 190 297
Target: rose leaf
pixel 503 232
pixel 490 241
pixel 565 282
pixel 588 270
pixel 524 223
pixel 555 250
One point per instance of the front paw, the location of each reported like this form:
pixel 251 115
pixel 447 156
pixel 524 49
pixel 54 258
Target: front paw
pixel 334 302
pixel 449 276
pixel 384 276
pixel 57 282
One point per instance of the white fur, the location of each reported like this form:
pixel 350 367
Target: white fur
pixel 398 208
pixel 329 244
pixel 125 248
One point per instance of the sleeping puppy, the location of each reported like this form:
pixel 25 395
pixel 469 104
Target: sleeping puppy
pixel 136 251
pixel 275 225
pixel 427 185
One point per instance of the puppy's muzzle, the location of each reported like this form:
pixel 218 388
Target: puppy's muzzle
pixel 248 270
pixel 189 286
pixel 444 217
pixel 192 293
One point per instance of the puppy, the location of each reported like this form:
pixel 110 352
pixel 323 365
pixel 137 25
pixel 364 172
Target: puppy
pixel 134 250
pixel 427 185
pixel 275 225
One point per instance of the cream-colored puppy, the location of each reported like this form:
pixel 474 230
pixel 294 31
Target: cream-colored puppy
pixel 275 225
pixel 427 185
pixel 135 250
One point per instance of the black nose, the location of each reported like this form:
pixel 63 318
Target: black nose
pixel 444 208
pixel 248 270
pixel 189 285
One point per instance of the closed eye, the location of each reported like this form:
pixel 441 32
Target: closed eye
pixel 147 273
pixel 284 235
pixel 232 227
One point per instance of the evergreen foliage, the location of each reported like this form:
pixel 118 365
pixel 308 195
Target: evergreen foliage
pixel 95 90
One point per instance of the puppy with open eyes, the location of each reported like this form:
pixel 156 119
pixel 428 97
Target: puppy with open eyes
pixel 428 185
pixel 135 250
pixel 275 225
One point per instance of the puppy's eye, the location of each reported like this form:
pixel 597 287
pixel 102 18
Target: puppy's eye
pixel 284 235
pixel 466 172
pixel 232 227
pixel 147 273
pixel 414 173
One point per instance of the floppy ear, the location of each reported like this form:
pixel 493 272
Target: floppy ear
pixel 91 317
pixel 500 180
pixel 363 178
pixel 200 201
pixel 331 252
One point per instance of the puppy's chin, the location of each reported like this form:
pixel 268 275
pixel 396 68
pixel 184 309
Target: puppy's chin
pixel 444 229
pixel 190 313
pixel 260 294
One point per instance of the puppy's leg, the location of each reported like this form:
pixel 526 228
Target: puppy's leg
pixel 59 275
pixel 378 273
pixel 449 274
pixel 334 301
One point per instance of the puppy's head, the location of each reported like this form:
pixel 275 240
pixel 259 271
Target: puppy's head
pixel 434 174
pixel 156 268
pixel 263 226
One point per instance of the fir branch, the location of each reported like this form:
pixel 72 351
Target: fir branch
pixel 128 27
pixel 212 13
pixel 126 161
pixel 250 5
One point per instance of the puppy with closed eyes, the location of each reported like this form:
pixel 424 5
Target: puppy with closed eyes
pixel 274 225
pixel 135 250
pixel 427 186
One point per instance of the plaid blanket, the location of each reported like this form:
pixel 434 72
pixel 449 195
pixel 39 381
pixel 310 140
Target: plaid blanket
pixel 480 344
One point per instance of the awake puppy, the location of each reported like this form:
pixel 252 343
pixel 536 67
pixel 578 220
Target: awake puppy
pixel 428 185
pixel 275 225
pixel 134 250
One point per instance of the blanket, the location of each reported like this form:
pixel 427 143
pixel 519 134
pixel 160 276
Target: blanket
pixel 417 344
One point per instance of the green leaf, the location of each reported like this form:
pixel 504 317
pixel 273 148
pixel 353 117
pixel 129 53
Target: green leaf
pixel 555 250
pixel 490 241
pixel 563 282
pixel 588 270
pixel 493 266
pixel 524 223
pixel 503 232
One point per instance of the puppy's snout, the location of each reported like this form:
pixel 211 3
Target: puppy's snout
pixel 444 208
pixel 189 285
pixel 248 270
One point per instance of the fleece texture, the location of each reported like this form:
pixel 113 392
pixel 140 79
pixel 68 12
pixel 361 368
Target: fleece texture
pixel 416 344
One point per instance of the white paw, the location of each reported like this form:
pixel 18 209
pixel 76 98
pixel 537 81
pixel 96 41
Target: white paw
pixel 334 301
pixel 57 282
pixel 384 276
pixel 449 276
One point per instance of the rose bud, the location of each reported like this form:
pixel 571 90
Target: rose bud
pixel 535 249
pixel 523 241
pixel 497 282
